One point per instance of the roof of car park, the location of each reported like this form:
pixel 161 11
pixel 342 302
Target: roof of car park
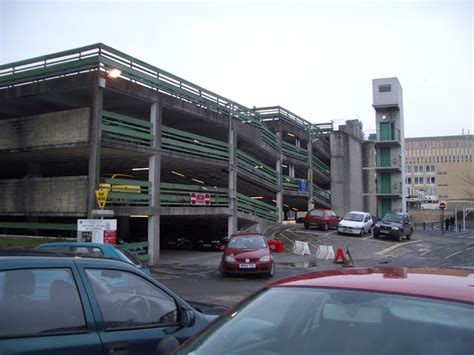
pixel 457 284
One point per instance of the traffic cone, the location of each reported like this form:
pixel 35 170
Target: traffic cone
pixel 340 255
pixel 348 262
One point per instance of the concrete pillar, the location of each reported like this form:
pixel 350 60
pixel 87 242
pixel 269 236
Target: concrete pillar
pixel 232 219
pixel 94 141
pixel 279 169
pixel 154 177
pixel 291 170
pixel 310 172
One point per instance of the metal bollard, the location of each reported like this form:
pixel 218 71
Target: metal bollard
pixel 424 225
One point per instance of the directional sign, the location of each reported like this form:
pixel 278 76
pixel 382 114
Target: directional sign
pixel 199 199
pixel 101 196
pixel 302 185
pixel 442 205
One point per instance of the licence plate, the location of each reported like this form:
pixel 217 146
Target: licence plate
pixel 247 266
pixel 207 245
pixel 384 232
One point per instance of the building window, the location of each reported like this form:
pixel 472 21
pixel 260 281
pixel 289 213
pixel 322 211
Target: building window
pixel 431 180
pixel 408 168
pixel 385 88
pixel 415 168
pixel 418 180
pixel 409 180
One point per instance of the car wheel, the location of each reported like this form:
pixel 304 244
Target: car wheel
pixel 370 230
pixel 361 234
pixel 409 234
pixel 222 272
pixel 325 227
pixel 399 236
pixel 376 235
pixel 306 226
pixel 272 270
pixel 339 233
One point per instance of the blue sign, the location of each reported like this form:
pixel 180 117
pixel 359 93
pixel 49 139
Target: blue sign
pixel 302 185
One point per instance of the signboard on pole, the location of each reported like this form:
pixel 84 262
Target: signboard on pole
pixel 101 196
pixel 97 230
pixel 442 205
pixel 302 185
pixel 199 199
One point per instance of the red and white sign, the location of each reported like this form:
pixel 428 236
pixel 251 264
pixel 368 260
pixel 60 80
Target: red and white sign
pixel 199 199
pixel 442 205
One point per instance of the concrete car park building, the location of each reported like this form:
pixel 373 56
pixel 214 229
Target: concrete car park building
pixel 174 157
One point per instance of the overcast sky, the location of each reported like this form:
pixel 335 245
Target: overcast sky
pixel 316 59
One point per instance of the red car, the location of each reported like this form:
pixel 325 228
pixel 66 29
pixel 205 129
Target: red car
pixel 247 254
pixel 321 218
pixel 389 311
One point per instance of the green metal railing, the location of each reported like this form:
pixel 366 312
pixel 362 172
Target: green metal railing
pixel 320 166
pixel 179 195
pixel 295 152
pixel 256 168
pixel 284 115
pixel 181 141
pixel 269 137
pixel 123 128
pixel 289 184
pixel 325 195
pixel 256 208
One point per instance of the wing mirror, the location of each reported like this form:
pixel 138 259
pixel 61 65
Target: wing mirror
pixel 187 318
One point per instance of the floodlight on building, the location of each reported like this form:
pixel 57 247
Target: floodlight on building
pixel 198 181
pixel 140 169
pixel 284 166
pixel 138 216
pixel 114 73
pixel 257 197
pixel 177 173
pixel 286 205
pixel 290 134
pixel 274 201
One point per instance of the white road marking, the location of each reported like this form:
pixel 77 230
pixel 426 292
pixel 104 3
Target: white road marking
pixel 470 248
pixel 365 238
pixel 450 255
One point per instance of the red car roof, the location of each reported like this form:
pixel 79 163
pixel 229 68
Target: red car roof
pixel 449 284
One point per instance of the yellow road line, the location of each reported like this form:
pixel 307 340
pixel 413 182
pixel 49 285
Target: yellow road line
pixel 389 249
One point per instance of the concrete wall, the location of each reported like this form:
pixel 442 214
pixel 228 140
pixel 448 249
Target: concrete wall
pixel 368 181
pixel 393 97
pixel 346 173
pixel 64 127
pixel 44 196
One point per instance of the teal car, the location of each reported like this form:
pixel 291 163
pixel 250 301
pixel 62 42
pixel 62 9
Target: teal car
pixel 107 250
pixel 55 304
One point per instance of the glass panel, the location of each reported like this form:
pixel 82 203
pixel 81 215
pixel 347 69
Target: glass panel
pixel 128 301
pixel 39 302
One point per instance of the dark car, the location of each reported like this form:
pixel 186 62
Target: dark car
pixel 394 225
pixel 84 305
pixel 321 218
pixel 247 254
pixel 370 311
pixel 209 242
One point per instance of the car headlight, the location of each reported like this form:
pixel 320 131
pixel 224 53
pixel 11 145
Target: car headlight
pixel 230 258
pixel 394 228
pixel 265 258
pixel 377 225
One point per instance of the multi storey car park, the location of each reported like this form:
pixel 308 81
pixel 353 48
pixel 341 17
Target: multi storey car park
pixel 70 127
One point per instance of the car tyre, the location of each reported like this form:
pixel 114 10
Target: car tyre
pixel 223 273
pixel 325 227
pixel 410 234
pixel 339 233
pixel 361 234
pixel 370 231
pixel 306 226
pixel 399 236
pixel 272 270
pixel 376 235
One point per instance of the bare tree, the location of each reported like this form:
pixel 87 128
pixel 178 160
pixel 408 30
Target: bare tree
pixel 466 182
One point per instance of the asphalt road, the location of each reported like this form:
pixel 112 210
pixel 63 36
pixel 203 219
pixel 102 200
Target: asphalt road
pixel 194 274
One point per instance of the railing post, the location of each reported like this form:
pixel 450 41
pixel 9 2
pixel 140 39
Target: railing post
pixel 154 178
pixel 232 176
pixel 94 141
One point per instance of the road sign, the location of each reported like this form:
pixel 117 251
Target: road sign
pixel 199 199
pixel 101 196
pixel 302 185
pixel 442 205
